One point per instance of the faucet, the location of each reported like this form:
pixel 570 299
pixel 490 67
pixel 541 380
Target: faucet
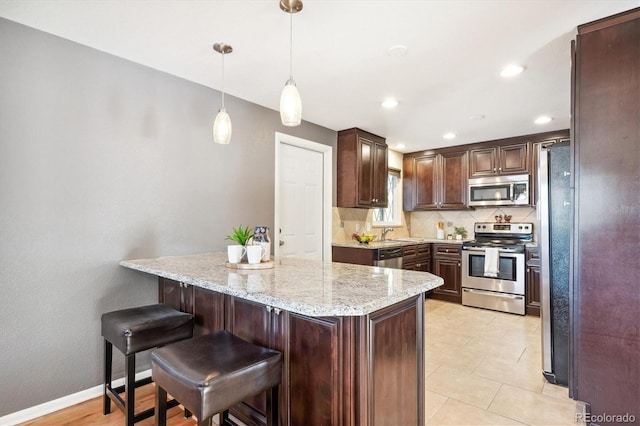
pixel 383 235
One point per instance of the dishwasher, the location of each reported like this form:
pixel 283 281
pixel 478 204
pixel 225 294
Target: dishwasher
pixel 389 258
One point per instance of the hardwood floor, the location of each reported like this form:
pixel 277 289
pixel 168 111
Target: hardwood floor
pixel 90 413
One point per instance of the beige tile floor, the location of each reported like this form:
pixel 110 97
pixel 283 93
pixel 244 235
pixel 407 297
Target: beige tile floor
pixel 483 368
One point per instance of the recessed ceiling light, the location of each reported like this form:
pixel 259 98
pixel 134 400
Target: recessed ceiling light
pixel 400 146
pixel 543 119
pixel 397 50
pixel 389 103
pixel 449 135
pixel 511 70
pixel 477 117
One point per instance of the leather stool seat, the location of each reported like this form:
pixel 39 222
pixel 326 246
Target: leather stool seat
pixel 145 327
pixel 210 373
pixel 131 331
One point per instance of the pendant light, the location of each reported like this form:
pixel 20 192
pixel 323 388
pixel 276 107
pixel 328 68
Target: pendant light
pixel 222 124
pixel 290 102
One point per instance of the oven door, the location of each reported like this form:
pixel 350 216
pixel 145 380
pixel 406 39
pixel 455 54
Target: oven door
pixel 510 277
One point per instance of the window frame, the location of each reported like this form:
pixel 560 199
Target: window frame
pixel 393 196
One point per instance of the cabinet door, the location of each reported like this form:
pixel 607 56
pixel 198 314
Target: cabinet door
pixel 453 182
pixel 424 182
pixel 252 322
pixel 207 309
pixel 170 293
pixel 315 370
pixel 449 270
pixel 483 162
pixel 514 159
pixel 532 283
pixel 409 257
pixel 396 358
pixel 380 173
pixel 366 153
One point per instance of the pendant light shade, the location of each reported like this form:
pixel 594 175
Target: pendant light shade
pixel 222 125
pixel 290 105
pixel 222 128
pixel 290 101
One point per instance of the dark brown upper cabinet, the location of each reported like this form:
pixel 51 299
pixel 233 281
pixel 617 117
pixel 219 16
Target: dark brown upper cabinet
pixel 499 160
pixel 435 180
pixel 362 169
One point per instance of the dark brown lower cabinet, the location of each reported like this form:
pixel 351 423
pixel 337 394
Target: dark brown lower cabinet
pixel 417 257
pixel 351 370
pixel 206 306
pixel 532 282
pixel 446 264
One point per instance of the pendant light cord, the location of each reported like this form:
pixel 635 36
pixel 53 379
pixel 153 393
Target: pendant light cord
pixel 291 46
pixel 222 85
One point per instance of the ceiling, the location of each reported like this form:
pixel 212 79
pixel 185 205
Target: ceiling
pixel 342 66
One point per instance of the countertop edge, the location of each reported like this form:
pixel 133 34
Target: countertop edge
pixel 297 307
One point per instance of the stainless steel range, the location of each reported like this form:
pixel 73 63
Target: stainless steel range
pixel 493 266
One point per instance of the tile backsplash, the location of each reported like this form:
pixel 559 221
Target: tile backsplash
pixel 346 221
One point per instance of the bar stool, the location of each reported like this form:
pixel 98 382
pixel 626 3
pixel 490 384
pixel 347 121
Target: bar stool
pixel 135 330
pixel 210 373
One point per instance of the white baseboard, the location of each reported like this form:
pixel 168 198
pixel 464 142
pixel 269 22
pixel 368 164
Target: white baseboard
pixel 60 403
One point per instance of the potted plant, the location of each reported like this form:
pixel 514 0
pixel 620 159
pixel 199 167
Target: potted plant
pixel 241 236
pixel 460 232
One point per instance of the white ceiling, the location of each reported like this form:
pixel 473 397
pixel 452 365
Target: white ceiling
pixel 456 50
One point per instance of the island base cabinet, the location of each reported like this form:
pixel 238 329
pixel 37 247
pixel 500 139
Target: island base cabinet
pixel 207 307
pixel 346 370
pixel 395 365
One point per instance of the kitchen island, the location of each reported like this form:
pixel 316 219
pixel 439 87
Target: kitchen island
pixel 351 336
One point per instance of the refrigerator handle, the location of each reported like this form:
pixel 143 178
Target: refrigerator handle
pixel 542 213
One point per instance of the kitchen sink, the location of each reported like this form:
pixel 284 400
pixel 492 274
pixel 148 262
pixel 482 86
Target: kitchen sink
pixel 408 240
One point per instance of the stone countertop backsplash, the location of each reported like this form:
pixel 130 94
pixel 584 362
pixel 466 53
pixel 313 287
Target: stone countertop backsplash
pixel 307 287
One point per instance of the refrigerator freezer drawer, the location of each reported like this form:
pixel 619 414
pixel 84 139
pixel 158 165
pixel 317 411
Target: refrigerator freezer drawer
pixel 502 302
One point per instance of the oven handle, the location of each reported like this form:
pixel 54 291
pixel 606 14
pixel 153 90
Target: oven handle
pixel 499 250
pixel 494 294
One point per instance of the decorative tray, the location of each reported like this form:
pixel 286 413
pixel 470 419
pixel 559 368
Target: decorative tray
pixel 244 265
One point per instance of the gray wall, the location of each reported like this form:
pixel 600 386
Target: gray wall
pixel 102 159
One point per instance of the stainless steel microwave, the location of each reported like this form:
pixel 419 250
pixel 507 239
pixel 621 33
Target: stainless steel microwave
pixel 510 190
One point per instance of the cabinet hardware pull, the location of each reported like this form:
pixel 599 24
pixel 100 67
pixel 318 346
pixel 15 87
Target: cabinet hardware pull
pixel 528 270
pixel 458 263
pixel 499 169
pixel 277 311
pixel 269 308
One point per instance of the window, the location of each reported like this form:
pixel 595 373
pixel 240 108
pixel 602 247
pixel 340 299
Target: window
pixel 392 215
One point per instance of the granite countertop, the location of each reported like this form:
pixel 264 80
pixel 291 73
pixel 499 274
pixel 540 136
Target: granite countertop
pixel 307 287
pixel 399 242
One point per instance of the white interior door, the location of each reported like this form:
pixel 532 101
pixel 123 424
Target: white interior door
pixel 303 199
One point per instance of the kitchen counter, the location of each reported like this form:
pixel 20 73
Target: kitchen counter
pixel 307 287
pixel 351 336
pixel 400 242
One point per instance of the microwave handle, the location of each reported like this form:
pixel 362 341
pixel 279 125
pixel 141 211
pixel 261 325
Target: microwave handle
pixel 513 195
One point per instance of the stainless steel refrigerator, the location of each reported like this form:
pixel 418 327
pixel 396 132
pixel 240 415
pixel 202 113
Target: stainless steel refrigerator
pixel 554 214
